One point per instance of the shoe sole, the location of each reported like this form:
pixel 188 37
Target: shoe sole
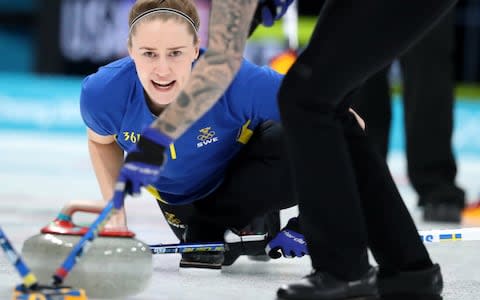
pixel 198 265
pixel 350 298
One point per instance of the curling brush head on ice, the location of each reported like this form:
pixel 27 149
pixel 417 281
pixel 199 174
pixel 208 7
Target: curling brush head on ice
pixel 30 289
pixel 48 293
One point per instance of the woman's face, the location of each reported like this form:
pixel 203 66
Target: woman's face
pixel 163 52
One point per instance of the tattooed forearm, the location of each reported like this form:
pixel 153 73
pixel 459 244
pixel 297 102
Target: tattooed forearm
pixel 228 29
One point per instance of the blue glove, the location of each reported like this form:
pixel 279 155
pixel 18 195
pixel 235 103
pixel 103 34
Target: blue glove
pixel 273 10
pixel 143 163
pixel 288 242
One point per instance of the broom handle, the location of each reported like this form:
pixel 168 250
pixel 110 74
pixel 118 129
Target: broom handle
pixel 29 279
pixel 83 244
pixel 290 26
pixel 450 235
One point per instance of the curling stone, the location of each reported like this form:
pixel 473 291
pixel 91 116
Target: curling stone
pixel 116 264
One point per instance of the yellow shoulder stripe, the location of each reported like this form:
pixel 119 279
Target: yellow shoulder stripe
pixel 245 133
pixel 173 152
pixel 155 193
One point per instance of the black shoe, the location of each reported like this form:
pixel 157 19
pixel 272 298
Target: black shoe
pixel 244 243
pixel 195 232
pixel 252 239
pixel 417 285
pixel 202 260
pixel 442 212
pixel 323 286
pixel 443 204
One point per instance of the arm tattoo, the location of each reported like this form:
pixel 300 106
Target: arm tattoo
pixel 215 70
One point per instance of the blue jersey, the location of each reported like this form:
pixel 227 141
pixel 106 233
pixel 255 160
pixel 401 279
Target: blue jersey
pixel 113 103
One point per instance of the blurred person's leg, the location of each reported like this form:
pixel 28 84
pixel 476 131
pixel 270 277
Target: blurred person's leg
pixel 311 94
pixel 428 100
pixel 339 57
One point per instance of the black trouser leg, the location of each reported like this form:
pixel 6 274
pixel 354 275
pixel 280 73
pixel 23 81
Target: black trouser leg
pixel 340 56
pixel 392 235
pixel 427 70
pixel 429 98
pixel 257 182
pixel 177 217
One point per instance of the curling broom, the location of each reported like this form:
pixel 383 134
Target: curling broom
pixel 284 60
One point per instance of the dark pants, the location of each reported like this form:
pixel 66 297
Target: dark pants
pixel 257 183
pixel 347 198
pixel 428 86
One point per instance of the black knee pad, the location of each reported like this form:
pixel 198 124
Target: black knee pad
pixel 267 140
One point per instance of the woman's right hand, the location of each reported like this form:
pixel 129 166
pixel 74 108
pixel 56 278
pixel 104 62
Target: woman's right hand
pixel 117 222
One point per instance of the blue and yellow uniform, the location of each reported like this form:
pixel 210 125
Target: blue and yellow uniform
pixel 113 103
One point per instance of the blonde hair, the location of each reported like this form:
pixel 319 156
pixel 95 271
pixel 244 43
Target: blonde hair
pixel 174 9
